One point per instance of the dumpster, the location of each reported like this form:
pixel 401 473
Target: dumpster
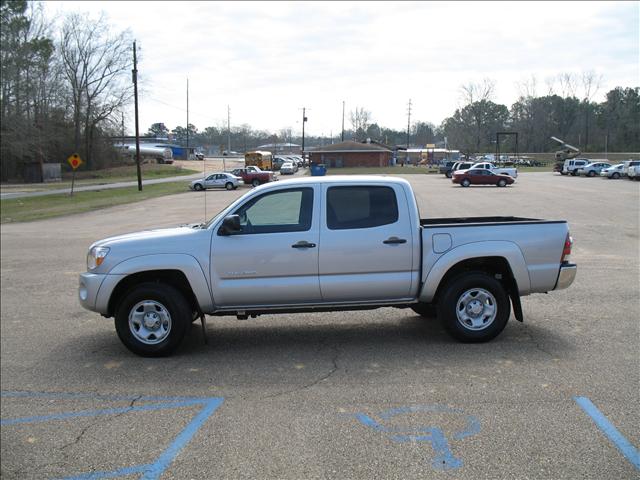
pixel 318 170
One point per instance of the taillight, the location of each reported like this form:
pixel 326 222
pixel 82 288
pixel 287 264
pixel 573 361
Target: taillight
pixel 566 251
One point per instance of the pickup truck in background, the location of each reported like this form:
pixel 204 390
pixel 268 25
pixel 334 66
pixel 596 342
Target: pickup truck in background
pixel 253 175
pixel 512 172
pixel 324 244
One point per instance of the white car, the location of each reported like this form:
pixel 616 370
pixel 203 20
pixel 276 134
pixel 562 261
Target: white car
pixel 634 172
pixel 216 180
pixel 615 171
pixel 512 172
pixel 572 165
pixel 287 169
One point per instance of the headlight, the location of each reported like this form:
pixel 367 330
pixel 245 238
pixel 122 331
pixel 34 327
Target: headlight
pixel 96 256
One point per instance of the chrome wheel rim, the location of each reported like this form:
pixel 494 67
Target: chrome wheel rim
pixel 149 322
pixel 476 309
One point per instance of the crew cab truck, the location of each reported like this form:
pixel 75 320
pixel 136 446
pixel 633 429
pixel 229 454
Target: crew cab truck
pixel 324 244
pixel 253 175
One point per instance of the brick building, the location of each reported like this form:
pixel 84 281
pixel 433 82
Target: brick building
pixel 351 154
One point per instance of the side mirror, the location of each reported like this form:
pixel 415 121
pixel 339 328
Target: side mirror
pixel 230 225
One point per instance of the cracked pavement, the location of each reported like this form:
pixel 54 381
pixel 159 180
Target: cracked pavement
pixel 292 384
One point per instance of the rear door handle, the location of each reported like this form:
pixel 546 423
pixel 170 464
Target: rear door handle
pixel 394 241
pixel 303 244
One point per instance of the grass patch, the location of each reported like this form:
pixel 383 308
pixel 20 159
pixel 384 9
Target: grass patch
pixel 48 206
pixel 411 170
pixel 396 170
pixel 108 175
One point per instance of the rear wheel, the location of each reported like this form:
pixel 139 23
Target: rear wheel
pixel 255 182
pixel 449 174
pixel 474 307
pixel 228 186
pixel 465 183
pixel 502 182
pixel 591 173
pixel 152 319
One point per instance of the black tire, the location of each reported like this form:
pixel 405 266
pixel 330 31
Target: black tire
pixel 563 173
pixel 426 310
pixel 591 173
pixel 255 182
pixel 502 183
pixel 615 175
pixel 573 173
pixel 228 186
pixel 449 174
pixel 465 182
pixel 159 296
pixel 453 298
pixel 198 187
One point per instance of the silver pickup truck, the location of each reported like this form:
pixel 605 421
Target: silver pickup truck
pixel 324 244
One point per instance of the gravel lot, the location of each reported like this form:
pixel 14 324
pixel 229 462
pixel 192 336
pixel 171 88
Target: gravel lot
pixel 374 394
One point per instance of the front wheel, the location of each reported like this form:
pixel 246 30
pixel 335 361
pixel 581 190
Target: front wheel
pixel 255 182
pixel 465 183
pixel 474 307
pixel 152 319
pixel 616 175
pixel 449 174
pixel 198 187
pixel 502 182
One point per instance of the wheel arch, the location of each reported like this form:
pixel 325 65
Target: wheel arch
pixel 496 258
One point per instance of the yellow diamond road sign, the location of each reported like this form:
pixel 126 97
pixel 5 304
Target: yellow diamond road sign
pixel 75 161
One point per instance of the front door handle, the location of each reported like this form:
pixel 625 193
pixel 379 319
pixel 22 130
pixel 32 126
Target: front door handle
pixel 394 241
pixel 303 244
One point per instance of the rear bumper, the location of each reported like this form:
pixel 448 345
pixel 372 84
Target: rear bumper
pixel 566 276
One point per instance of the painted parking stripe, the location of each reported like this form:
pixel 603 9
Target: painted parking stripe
pixel 628 450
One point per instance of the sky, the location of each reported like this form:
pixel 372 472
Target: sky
pixel 265 61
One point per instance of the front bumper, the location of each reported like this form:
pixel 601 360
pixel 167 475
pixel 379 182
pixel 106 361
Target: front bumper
pixel 94 290
pixel 566 276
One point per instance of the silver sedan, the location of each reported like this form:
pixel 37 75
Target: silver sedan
pixel 216 180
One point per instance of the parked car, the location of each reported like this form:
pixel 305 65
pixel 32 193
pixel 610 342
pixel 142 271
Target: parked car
pixel 634 172
pixel 445 169
pixel 572 165
pixel 512 172
pixel 293 161
pixel 252 175
pixel 614 171
pixel 287 169
pixel 460 166
pixel 199 155
pixel 325 244
pixel 593 169
pixel 216 180
pixel 627 165
pixel 481 176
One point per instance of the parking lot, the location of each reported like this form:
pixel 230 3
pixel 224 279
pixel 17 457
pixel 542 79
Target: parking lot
pixel 371 394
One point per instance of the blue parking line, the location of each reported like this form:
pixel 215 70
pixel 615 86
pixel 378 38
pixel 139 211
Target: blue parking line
pixel 606 427
pixel 148 471
pixel 95 413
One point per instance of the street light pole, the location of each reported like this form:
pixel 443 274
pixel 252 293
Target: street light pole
pixel 135 96
pixel 304 119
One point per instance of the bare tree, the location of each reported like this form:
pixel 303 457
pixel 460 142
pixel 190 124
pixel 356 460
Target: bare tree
pixel 567 85
pixel 95 64
pixel 527 88
pixel 477 92
pixel 590 84
pixel 360 120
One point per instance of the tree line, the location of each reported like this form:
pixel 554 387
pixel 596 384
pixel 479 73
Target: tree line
pixel 65 90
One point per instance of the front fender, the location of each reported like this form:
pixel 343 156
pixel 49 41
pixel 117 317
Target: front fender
pixel 186 264
pixel 508 250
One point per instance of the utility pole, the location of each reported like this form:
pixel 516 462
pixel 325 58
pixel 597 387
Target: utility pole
pixel 304 119
pixel 342 136
pixel 122 127
pixel 408 125
pixel 135 97
pixel 228 130
pixel 187 119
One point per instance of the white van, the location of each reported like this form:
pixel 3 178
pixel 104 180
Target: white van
pixel 572 165
pixel 627 165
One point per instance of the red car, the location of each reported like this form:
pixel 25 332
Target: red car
pixel 481 177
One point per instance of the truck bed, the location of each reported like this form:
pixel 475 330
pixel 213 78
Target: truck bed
pixel 484 221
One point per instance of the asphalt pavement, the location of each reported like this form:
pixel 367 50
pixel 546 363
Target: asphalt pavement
pixel 346 395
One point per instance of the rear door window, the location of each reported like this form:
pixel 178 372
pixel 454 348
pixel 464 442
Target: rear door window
pixel 360 207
